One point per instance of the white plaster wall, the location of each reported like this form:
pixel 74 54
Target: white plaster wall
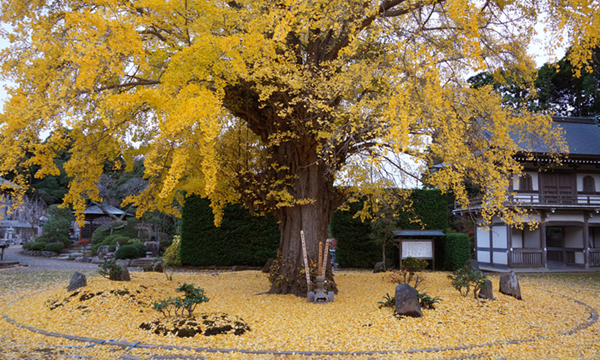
pixel 580 180
pixel 594 219
pixel 532 238
pixel 483 238
pixel 534 180
pixel 573 237
pixel 566 216
pixel 517 238
pixel 579 259
pixel 483 256
pixel 500 258
pixel 499 237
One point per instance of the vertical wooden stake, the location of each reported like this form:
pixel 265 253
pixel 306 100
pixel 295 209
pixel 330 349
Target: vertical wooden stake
pixel 305 259
pixel 325 257
pixel 319 258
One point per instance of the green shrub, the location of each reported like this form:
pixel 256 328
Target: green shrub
pixel 142 249
pixel 55 246
pixel 413 265
pixel 126 229
pixel 27 245
pixel 109 269
pixel 191 298
pixel 114 239
pixel 38 246
pixel 51 238
pixel 467 278
pixel 127 252
pixel 388 301
pixel 241 239
pixel 427 301
pixel 457 251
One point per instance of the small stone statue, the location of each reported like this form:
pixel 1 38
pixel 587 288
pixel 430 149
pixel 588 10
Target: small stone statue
pixel 319 296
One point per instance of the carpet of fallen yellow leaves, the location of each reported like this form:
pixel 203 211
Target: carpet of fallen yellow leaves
pixel 353 323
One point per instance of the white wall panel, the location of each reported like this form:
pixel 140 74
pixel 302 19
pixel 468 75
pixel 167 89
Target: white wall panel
pixel 500 258
pixel 483 256
pixel 499 237
pixel 483 238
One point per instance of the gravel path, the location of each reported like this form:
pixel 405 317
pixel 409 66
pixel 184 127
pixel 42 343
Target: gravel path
pixel 37 263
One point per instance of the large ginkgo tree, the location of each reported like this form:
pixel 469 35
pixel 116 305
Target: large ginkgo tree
pixel 266 102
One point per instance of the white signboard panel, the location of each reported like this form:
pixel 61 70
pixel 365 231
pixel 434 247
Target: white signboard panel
pixel 417 249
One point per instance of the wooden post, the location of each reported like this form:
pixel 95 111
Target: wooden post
pixel 319 258
pixel 325 258
pixel 306 269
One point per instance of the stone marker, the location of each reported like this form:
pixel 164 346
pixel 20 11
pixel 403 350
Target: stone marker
pixel 407 301
pixel 473 264
pixel 77 280
pixel 123 275
pixel 486 290
pixel 267 266
pixel 379 267
pixel 509 285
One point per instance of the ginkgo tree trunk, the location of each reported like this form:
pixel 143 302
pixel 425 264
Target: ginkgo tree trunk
pixel 270 103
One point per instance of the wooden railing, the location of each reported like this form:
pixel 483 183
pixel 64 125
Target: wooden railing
pixel 529 199
pixel 526 258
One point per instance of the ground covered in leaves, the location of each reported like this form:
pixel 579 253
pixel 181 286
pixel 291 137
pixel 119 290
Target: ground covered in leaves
pixel 115 310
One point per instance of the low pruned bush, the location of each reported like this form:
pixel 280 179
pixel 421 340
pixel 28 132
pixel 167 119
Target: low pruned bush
pixel 127 252
pixel 38 246
pixel 55 246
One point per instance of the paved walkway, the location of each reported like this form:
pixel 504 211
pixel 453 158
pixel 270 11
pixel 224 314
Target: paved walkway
pixel 39 263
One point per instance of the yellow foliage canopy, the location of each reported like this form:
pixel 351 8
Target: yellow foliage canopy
pixel 267 101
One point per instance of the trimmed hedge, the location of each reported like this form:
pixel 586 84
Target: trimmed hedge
pixel 114 239
pixel 127 252
pixel 55 246
pixel 457 251
pixel 355 249
pixel 39 246
pixel 242 239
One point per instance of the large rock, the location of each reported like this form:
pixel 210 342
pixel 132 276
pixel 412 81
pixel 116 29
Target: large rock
pixel 158 267
pixel 509 285
pixel 472 264
pixel 96 260
pixel 78 280
pixel 267 267
pixel 122 275
pixel 75 255
pixel 407 301
pixel 486 290
pixel 379 267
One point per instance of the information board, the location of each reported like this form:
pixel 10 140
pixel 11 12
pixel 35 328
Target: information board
pixel 417 249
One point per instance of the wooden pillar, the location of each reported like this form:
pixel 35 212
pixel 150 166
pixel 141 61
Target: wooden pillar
pixel 491 236
pixel 543 241
pixel 509 245
pixel 586 240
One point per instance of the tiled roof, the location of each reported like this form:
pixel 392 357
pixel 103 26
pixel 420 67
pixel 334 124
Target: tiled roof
pixel 418 233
